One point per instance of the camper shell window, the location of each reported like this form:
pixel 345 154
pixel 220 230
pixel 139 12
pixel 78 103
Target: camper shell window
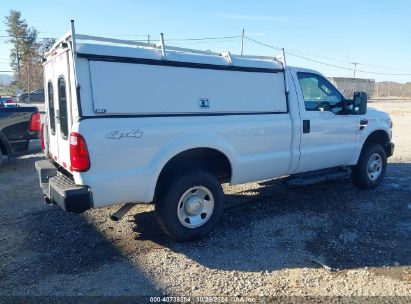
pixel 50 94
pixel 63 107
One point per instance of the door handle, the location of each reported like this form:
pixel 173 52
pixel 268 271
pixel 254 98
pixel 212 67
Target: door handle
pixel 363 123
pixel 306 126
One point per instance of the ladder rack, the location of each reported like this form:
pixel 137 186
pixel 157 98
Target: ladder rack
pixel 158 46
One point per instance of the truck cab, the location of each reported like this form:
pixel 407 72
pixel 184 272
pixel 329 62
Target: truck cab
pixel 334 128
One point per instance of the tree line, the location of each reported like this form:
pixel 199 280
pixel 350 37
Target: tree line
pixel 26 53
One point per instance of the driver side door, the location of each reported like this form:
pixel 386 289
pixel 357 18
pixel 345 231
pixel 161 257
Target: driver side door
pixel 329 135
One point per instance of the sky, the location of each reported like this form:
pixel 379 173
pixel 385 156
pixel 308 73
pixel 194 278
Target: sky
pixel 375 34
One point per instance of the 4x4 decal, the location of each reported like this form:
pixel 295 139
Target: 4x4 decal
pixel 124 134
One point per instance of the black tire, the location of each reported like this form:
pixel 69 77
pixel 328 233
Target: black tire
pixel 26 100
pixel 361 176
pixel 170 202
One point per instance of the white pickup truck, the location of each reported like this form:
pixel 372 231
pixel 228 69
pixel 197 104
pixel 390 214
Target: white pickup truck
pixel 132 122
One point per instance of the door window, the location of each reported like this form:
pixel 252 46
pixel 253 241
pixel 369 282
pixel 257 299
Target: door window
pixel 63 107
pixel 50 92
pixel 319 94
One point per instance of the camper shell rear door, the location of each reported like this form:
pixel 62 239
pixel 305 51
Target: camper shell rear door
pixel 59 97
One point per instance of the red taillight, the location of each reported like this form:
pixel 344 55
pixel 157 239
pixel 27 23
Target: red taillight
pixel 9 101
pixel 79 158
pixel 35 122
pixel 42 136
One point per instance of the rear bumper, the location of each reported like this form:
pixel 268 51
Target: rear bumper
pixel 61 190
pixel 389 149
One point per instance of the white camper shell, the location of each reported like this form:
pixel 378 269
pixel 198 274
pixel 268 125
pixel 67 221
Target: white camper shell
pixel 132 122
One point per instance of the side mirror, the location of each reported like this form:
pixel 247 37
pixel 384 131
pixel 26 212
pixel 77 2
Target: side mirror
pixel 360 103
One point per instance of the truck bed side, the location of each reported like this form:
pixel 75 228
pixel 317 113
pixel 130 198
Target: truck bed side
pixel 14 130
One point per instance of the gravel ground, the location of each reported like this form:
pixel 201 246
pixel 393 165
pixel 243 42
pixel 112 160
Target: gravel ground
pixel 329 239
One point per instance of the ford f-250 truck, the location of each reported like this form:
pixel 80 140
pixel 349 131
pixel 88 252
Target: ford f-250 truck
pixel 19 131
pixel 132 122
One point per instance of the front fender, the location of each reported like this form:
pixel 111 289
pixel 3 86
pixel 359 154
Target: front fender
pixel 374 125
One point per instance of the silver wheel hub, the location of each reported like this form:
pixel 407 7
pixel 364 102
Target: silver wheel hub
pixel 195 207
pixel 374 166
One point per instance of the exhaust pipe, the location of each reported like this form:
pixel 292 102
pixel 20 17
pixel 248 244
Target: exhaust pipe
pixel 116 216
pixel 47 201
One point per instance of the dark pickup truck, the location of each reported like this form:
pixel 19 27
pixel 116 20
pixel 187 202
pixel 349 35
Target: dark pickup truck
pixel 19 131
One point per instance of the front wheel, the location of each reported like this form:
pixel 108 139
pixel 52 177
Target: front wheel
pixel 26 100
pixel 370 169
pixel 190 206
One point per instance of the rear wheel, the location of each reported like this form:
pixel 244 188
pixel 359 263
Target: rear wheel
pixel 370 169
pixel 190 205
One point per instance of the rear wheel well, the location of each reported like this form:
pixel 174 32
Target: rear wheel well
pixel 3 148
pixel 207 159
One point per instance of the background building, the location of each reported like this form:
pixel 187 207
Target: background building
pixel 375 90
pixel 350 85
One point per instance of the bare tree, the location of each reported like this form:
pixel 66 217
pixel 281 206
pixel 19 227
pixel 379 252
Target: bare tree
pixel 26 53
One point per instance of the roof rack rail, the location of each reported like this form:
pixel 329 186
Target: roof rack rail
pixel 142 44
pixel 113 40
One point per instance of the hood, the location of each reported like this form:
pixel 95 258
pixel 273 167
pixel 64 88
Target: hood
pixel 374 114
